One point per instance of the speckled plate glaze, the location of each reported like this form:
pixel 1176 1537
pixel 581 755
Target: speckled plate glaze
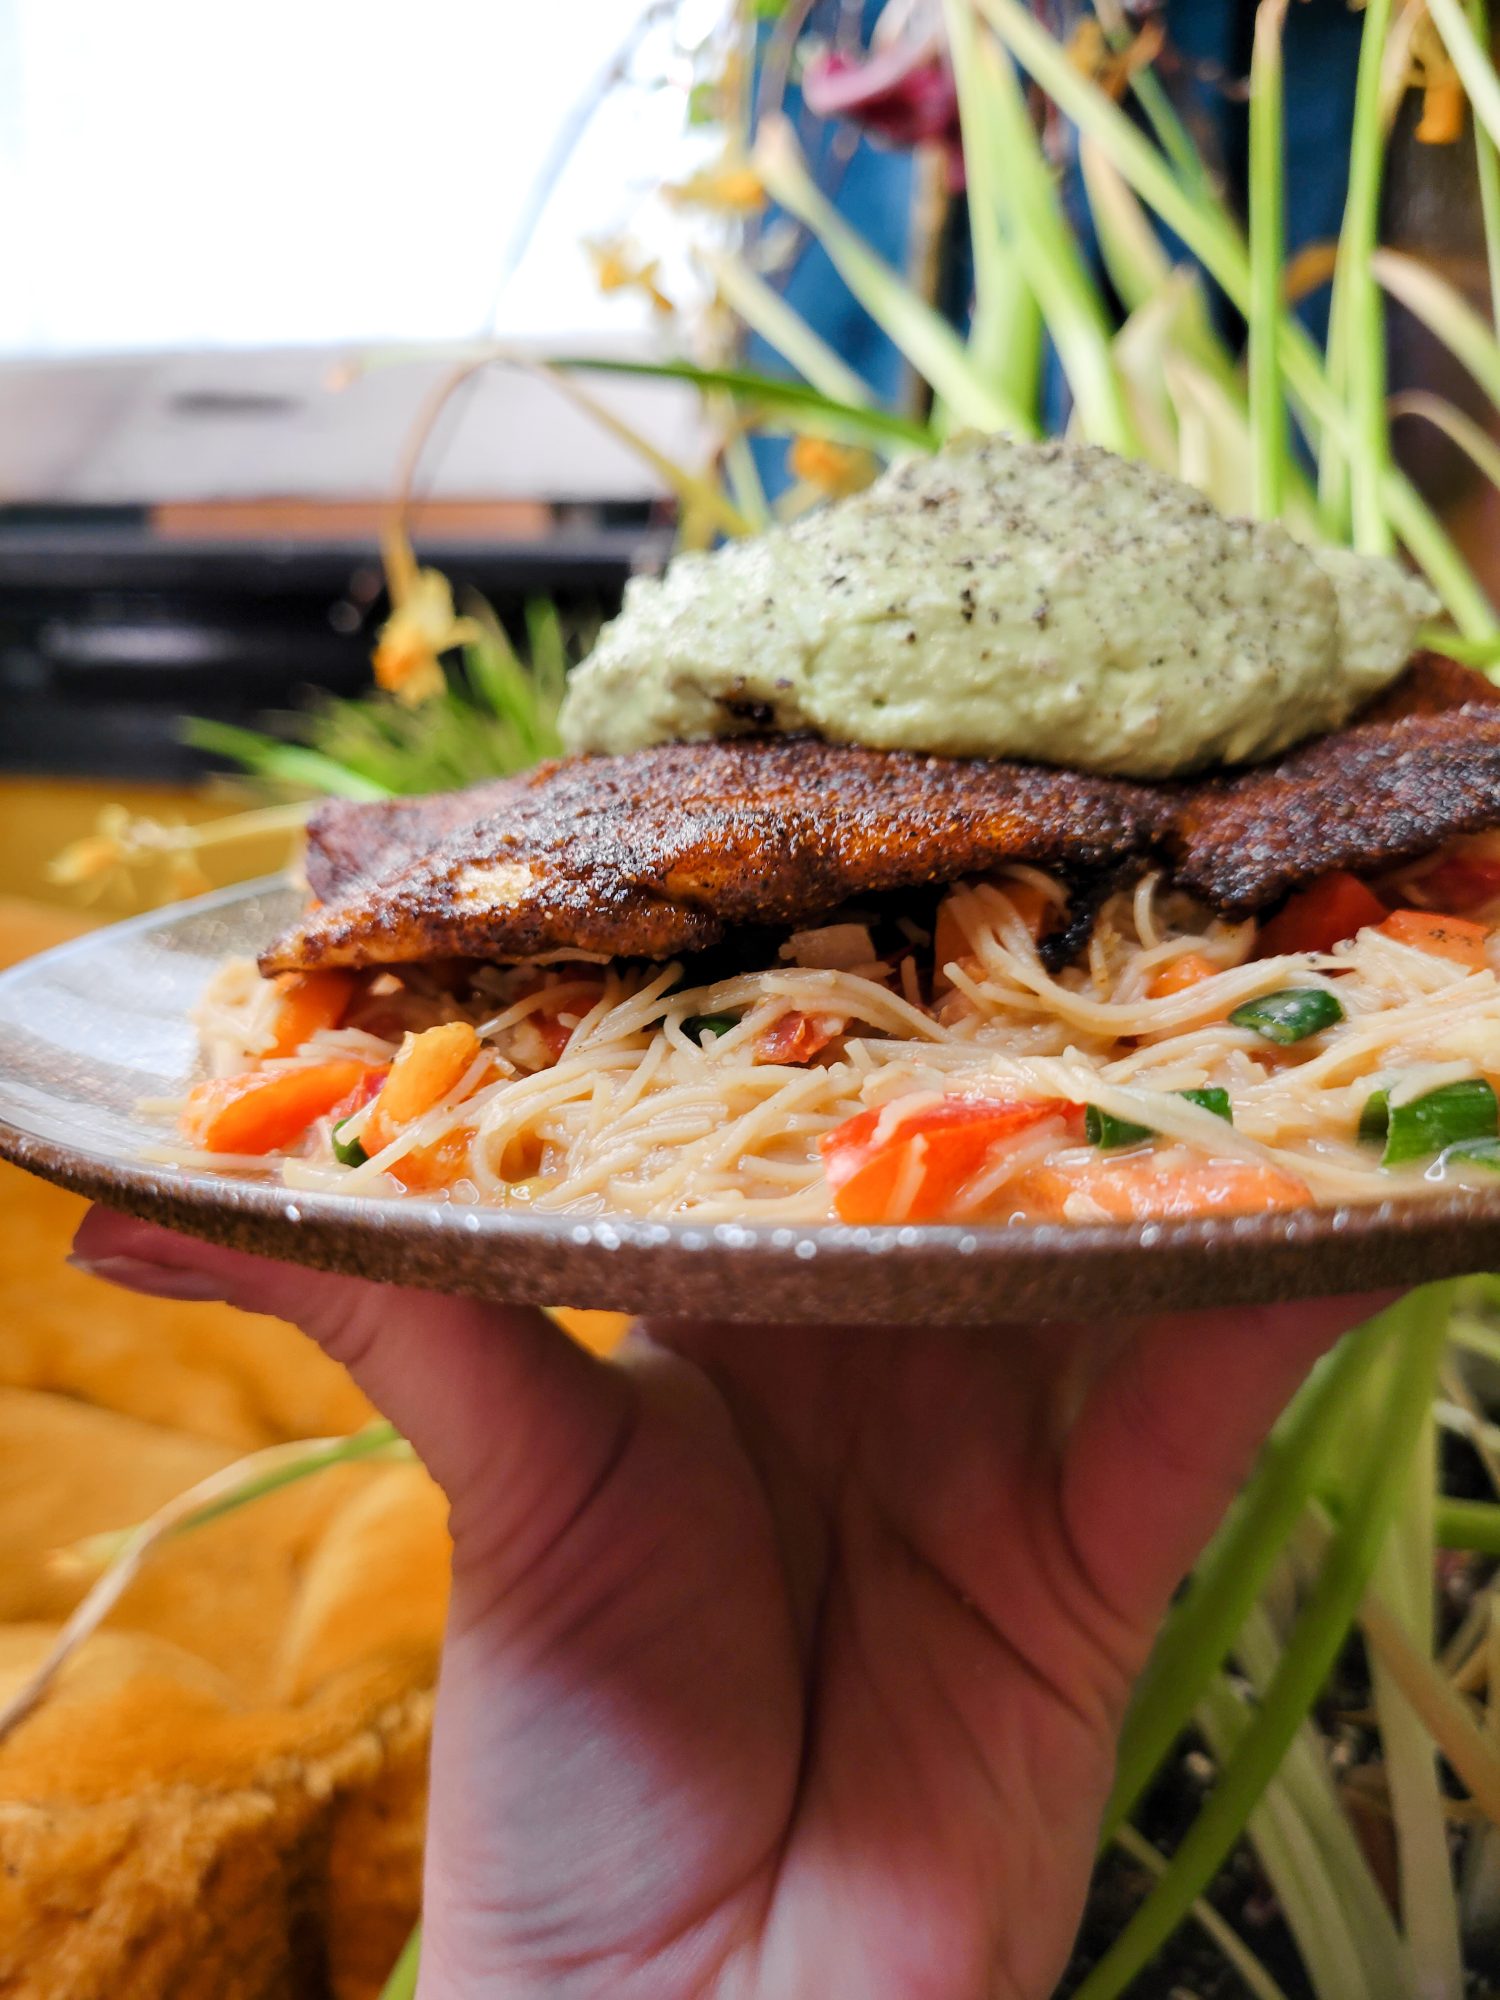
pixel 89 1030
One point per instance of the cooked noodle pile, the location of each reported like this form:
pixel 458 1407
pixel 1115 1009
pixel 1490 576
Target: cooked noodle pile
pixel 663 1103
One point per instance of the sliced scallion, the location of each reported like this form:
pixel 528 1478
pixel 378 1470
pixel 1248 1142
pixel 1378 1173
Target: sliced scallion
pixel 1102 1128
pixel 1451 1115
pixel 1105 1130
pixel 1473 1153
pixel 348 1152
pixel 1290 1015
pixel 696 1026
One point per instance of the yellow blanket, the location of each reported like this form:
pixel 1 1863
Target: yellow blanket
pixel 222 1797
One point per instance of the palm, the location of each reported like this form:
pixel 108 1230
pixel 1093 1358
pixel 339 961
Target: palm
pixel 819 1693
pixel 782 1662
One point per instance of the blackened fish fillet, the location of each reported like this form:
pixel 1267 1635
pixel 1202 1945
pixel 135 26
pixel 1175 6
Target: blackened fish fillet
pixel 665 850
pixel 1370 796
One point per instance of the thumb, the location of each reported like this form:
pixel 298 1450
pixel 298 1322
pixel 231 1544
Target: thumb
pixel 515 1421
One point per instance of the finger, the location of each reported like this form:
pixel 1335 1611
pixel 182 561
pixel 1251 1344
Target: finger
pixel 1169 1431
pixel 511 1417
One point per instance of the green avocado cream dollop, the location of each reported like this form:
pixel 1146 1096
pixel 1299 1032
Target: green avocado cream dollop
pixel 1006 599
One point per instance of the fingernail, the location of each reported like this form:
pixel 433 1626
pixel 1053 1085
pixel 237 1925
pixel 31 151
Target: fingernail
pixel 160 1281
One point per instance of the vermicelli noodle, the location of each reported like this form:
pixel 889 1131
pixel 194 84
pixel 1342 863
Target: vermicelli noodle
pixel 622 1089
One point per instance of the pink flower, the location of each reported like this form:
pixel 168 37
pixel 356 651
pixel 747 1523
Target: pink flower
pixel 903 94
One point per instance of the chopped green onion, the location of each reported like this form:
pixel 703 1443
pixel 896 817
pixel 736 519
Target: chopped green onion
pixel 1473 1152
pixel 1105 1130
pixel 696 1026
pixel 1213 1099
pixel 1447 1116
pixel 348 1152
pixel 1375 1119
pixel 1290 1015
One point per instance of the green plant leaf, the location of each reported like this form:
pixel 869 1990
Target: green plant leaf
pixel 402 1983
pixel 1005 336
pixel 1320 1632
pixel 1213 237
pixel 1201 1627
pixel 781 326
pixel 916 328
pixel 1403 1577
pixel 1333 1904
pixel 1445 312
pixel 804 408
pixel 1268 417
pixel 280 762
pixel 1051 260
pixel 1455 425
pixel 1472 61
pixel 1253 1976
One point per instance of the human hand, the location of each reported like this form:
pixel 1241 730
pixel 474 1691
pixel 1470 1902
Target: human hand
pixel 783 1663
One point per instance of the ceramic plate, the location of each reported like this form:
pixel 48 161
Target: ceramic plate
pixel 91 1029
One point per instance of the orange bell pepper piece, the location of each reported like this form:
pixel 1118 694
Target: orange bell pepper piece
pixel 263 1111
pixel 310 1001
pixel 1455 938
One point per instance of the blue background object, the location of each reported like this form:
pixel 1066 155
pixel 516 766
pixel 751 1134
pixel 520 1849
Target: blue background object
pixel 874 185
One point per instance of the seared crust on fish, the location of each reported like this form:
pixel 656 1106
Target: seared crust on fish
pixel 1380 792
pixel 667 850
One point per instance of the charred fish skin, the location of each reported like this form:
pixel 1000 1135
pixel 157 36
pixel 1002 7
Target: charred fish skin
pixel 1371 798
pixel 663 851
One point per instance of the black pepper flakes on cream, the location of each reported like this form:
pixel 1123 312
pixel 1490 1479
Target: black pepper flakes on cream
pixel 1187 639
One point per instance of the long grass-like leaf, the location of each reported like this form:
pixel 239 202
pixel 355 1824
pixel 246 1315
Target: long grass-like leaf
pixel 1213 237
pixel 1445 312
pixel 1455 425
pixel 1320 1632
pixel 1332 1905
pixel 1487 167
pixel 697 494
pixel 1359 309
pixel 1005 336
pixel 1403 1576
pixel 1253 1976
pixel 1338 1872
pixel 222 1492
pixel 1472 61
pixel 1054 267
pixel 1468 1524
pixel 1201 1627
pixel 802 407
pixel 781 326
pixel 916 328
pixel 1268 418
pixel 1443 1713
pixel 402 1983
pixel 282 763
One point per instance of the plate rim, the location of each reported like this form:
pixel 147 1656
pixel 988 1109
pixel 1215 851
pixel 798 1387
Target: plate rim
pixel 254 1212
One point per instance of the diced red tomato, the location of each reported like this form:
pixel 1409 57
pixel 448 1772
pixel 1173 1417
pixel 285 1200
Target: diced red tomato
pixel 1189 970
pixel 797 1038
pixel 1137 1189
pixel 885 1168
pixel 1454 938
pixel 363 1092
pixel 262 1111
pixel 1320 916
pixel 1468 879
